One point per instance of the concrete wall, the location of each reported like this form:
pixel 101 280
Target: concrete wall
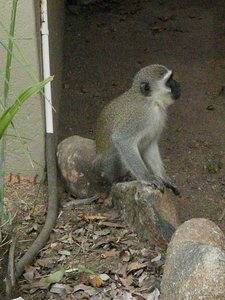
pixel 30 121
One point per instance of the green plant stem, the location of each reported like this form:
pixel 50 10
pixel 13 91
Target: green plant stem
pixel 5 103
pixel 9 55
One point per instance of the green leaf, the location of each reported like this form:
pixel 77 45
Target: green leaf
pixel 83 269
pixel 20 58
pixel 9 113
pixel 52 278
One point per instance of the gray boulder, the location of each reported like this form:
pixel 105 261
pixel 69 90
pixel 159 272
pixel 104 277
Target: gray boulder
pixel 195 263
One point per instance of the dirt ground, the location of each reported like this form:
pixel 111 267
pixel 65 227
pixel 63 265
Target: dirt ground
pixel 106 43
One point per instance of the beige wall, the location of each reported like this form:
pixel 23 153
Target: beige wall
pixel 30 121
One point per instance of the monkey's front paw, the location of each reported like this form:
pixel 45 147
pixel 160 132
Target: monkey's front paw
pixel 155 184
pixel 173 187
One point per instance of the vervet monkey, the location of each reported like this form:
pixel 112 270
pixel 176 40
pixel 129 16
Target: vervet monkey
pixel 129 127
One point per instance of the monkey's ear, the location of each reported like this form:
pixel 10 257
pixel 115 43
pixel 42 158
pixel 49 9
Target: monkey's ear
pixel 145 88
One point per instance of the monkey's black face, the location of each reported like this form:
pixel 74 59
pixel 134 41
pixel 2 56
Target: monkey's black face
pixel 175 87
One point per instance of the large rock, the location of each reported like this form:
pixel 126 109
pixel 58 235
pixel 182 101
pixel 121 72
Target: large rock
pixel 151 214
pixel 195 263
pixel 75 157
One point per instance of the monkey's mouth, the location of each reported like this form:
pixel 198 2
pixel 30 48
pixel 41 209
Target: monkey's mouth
pixel 176 95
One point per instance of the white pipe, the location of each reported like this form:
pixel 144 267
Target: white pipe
pixel 46 66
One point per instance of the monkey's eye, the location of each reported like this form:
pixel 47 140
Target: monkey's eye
pixel 145 88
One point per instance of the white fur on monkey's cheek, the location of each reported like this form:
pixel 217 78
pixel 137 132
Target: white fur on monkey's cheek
pixel 167 76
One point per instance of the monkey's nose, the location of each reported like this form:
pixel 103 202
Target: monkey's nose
pixel 176 94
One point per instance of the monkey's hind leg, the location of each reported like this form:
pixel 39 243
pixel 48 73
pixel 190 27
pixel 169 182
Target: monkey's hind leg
pixel 110 166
